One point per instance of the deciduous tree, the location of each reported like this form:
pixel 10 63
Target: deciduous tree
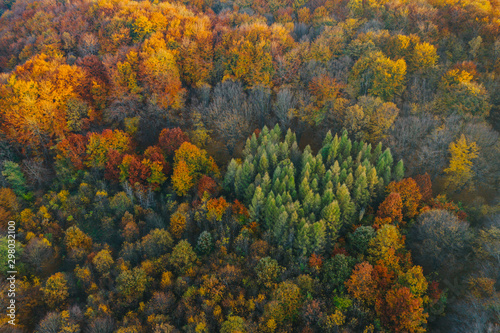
pixel 460 173
pixel 361 284
pixel 391 207
pixel 379 76
pixel 77 243
pixel 402 311
pixel 171 139
pixel 55 290
pixel 183 258
pixel 410 195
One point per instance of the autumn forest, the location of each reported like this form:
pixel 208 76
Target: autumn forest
pixel 249 166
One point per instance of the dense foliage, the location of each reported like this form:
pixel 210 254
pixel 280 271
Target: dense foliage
pixel 251 166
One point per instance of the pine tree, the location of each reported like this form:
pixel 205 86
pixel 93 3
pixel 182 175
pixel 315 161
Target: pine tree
pixel 372 182
pixel 335 172
pixel 376 153
pixel 314 185
pixel 388 157
pixel 257 206
pixel 283 185
pixel 279 200
pixel 342 176
pixel 317 203
pixel 327 145
pixel 380 186
pixel 287 198
pixel 326 178
pixel 263 163
pixel 304 188
pixel 249 192
pixel 367 152
pixel 271 212
pixel 273 161
pixel 347 207
pixel 399 171
pixel 318 236
pixel 295 154
pixel 305 172
pixel 308 202
pixel 303 242
pixel 266 184
pixel 258 180
pixel 320 166
pixel 328 139
pixel 349 181
pixel 331 215
pixel 243 178
pixel 345 146
pixel 356 148
pixel 276 132
pixel 284 151
pixel 290 137
pixel 247 150
pixel 333 151
pixel 254 144
pixel 359 170
pixel 323 194
pixel 291 187
pixel 280 228
pixel 381 165
pixel 386 174
pixel 327 196
pixel 276 174
pixel 264 133
pixel 361 193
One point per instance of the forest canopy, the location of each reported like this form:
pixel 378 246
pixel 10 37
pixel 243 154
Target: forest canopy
pixel 250 166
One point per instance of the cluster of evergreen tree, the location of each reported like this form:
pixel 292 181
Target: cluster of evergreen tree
pixel 305 201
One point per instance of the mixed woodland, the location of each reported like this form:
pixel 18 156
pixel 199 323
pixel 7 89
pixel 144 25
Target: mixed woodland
pixel 251 166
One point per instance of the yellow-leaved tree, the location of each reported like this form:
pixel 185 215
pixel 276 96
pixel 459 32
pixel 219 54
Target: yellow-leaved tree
pixel 182 179
pixel 39 101
pixel 460 172
pixel 190 163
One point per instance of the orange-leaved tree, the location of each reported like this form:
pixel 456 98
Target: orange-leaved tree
pixel 391 207
pixel 410 195
pixel 402 311
pixel 34 101
pixel 361 285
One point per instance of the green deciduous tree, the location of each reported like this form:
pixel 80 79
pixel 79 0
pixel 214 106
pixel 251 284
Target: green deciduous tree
pixel 183 258
pixel 379 76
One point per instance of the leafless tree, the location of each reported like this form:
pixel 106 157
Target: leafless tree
pixel 38 254
pixel 284 102
pixel 439 242
pixel 50 324
pixel 89 44
pixel 229 113
pixel 36 171
pixel 259 100
pixel 101 325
